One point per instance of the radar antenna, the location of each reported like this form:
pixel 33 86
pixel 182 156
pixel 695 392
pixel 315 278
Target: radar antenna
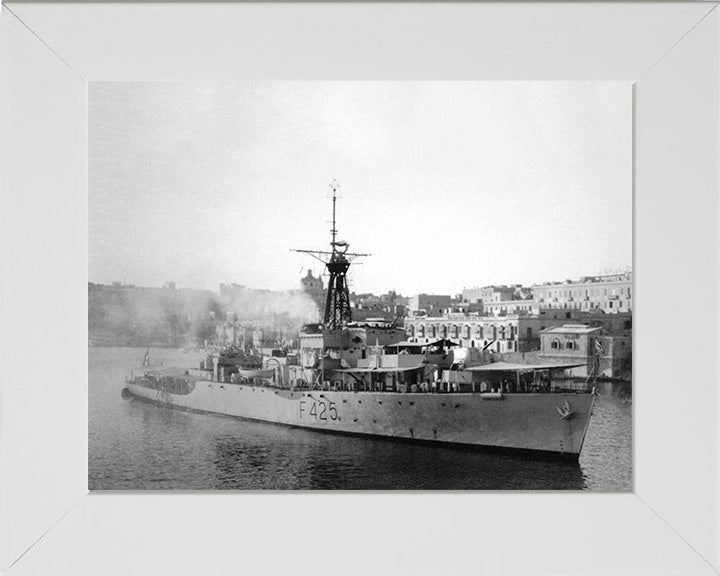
pixel 337 261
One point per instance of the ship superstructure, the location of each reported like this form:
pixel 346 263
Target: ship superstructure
pixel 366 378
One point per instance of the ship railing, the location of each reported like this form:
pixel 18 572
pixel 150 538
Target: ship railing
pixel 445 388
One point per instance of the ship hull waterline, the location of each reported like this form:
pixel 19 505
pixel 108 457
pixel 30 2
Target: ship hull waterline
pixel 518 423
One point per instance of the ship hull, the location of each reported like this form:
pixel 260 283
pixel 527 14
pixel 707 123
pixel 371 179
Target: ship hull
pixel 516 422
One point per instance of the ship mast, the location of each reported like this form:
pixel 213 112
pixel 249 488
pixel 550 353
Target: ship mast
pixel 337 261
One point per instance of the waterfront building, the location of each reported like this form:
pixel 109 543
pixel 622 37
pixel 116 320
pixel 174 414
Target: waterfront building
pixel 600 353
pixel 501 334
pixel 611 293
pixel 619 324
pixel 510 332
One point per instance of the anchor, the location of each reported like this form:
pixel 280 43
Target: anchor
pixel 566 412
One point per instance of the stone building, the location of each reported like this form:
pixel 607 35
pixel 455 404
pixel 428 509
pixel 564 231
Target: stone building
pixel 611 293
pixel 505 307
pixel 430 304
pixel 576 343
pixel 619 324
pixel 389 306
pixel 500 300
pixel 511 332
pixel 488 294
pixel 311 283
pixel 314 287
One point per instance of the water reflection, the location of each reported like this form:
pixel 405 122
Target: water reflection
pixel 330 463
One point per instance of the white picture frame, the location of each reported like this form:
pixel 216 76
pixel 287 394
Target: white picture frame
pixel 50 524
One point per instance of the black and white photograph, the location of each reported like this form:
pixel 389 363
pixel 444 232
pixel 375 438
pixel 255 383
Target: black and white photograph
pixel 360 285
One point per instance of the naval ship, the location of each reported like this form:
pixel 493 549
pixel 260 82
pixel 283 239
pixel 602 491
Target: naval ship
pixel 366 378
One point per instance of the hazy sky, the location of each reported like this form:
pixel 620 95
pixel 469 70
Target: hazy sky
pixel 447 184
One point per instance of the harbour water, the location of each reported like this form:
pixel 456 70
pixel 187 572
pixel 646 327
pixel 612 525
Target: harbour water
pixel 137 445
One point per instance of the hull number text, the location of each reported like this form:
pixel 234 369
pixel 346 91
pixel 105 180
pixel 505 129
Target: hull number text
pixel 318 410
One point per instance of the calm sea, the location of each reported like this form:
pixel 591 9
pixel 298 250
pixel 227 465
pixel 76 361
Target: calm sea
pixel 136 445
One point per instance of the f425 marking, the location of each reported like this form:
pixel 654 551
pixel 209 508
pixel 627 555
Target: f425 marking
pixel 318 410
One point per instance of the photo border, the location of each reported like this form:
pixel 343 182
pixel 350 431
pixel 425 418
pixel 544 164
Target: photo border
pixel 49 523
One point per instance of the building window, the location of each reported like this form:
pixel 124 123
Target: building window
pixel 528 331
pixel 570 345
pixel 555 344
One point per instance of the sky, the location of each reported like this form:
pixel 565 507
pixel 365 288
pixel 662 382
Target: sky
pixel 449 185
